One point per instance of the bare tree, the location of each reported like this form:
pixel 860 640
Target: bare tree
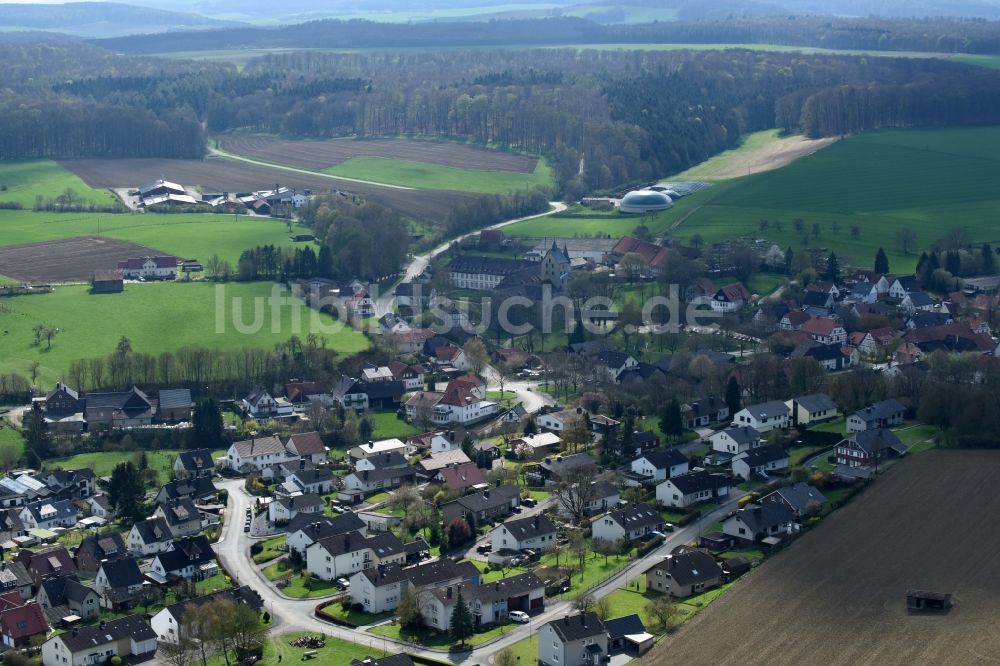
pixel 583 602
pixel 603 607
pixel 662 610
pixel 182 653
pixel 906 239
pixel 575 492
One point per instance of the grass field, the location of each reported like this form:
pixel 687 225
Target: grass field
pixel 388 426
pixel 835 585
pixel 188 236
pixel 26 178
pixel 155 317
pixel 757 152
pixel 103 463
pixel 929 181
pixel 11 438
pixel 437 177
pixel 337 652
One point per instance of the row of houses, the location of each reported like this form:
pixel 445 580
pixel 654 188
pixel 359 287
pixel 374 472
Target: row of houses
pixel 65 410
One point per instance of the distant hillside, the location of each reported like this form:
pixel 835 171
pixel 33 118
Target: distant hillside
pixel 102 19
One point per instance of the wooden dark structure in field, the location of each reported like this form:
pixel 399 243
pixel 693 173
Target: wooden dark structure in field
pixel 107 282
pixel 923 601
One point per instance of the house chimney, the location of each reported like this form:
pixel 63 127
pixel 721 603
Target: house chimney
pixel 535 521
pixel 486 494
pixel 448 593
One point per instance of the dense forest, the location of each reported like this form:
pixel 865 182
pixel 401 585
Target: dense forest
pixel 893 34
pixel 604 119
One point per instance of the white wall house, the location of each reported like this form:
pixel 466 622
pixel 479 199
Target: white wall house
pixel 535 532
pixel 255 454
pixel 735 440
pixel 763 417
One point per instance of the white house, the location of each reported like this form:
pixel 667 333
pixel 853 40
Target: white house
pixel 169 624
pixel 755 522
pixel 825 331
pixel 537 445
pixel 283 509
pixel 730 298
pixel 632 522
pixel 691 488
pixel 86 646
pixel 558 421
pixel 574 640
pixel 378 589
pixel 149 537
pixel 808 409
pixel 884 414
pixel 372 449
pixel 47 514
pixel 735 440
pixel 660 465
pixel 307 446
pixel 305 529
pixel 185 559
pixel 758 462
pixel 154 268
pixel 763 417
pixel 534 532
pixel 449 440
pixel 255 454
pixel 259 404
pixel 344 555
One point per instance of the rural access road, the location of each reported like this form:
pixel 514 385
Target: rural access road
pixel 218 152
pixel 290 615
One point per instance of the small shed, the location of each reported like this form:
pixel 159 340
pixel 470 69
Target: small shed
pixel 107 282
pixel 924 601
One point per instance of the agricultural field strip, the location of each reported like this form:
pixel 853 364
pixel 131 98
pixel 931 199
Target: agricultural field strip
pixel 323 154
pixel 70 259
pixel 843 584
pixel 271 165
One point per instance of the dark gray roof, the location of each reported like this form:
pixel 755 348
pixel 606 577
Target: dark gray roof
pixel 880 410
pixel 103 546
pixel 530 527
pixel 320 527
pixel 122 573
pixel 690 566
pixel 640 515
pixel 694 482
pixel 817 402
pixel 196 488
pixel 63 509
pixel 761 455
pixel 388 460
pixel 196 460
pixel 576 627
pixel 416 546
pixel 440 571
pixel 879 439
pixel 310 476
pixel 175 398
pixel 612 359
pixel 920 299
pixel 242 595
pixel 562 464
pixel 180 511
pixel 817 299
pixel 486 265
pixel 386 473
pixel 624 626
pixel 61 589
pixel 799 496
pixel 130 402
pixel 512 586
pixel 298 502
pixel 604 488
pixel 401 659
pixel 489 499
pixel 743 434
pixel 384 574
pixel 760 518
pixel 707 406
pixel 193 551
pixel 152 530
pixel 665 459
pixel 771 409
pixel 88 638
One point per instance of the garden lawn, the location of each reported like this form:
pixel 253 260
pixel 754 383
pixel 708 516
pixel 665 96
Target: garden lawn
pixel 526 651
pixel 837 426
pixel 25 179
pixel 104 463
pixel 11 438
pixel 337 652
pixel 186 235
pixel 423 175
pixel 435 639
pixel 387 426
pixel 357 617
pixel 628 601
pixel 918 437
pixel 212 584
pixel 156 317
pixel 798 454
pixel 272 549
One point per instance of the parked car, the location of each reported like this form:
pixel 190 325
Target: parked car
pixel 529 502
pixel 484 548
pixel 343 583
pixel 518 616
pixel 246 527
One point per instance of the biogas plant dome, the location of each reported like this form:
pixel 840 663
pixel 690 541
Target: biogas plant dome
pixel 644 201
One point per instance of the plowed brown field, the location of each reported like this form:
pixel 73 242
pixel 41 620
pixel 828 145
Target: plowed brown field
pixel 220 175
pixel 68 259
pixel 318 155
pixel 837 595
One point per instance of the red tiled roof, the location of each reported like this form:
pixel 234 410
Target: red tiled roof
pixel 797 317
pixel 820 326
pixel 417 336
pixel 307 443
pixel 447 353
pixel 24 621
pixel 461 476
pixel 135 263
pixel 736 292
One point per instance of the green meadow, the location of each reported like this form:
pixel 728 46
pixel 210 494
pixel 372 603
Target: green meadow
pixel 930 181
pixel 24 179
pixel 423 175
pixel 184 235
pixel 155 317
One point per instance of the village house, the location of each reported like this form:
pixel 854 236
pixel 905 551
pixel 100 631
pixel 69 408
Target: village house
pixel 307 446
pixel 372 449
pixel 20 621
pixel 801 499
pixel 756 463
pixel 559 468
pixel 691 488
pixel 14 577
pixel 489 603
pixel 657 466
pixel 358 484
pixel 730 298
pixel 380 588
pixel 196 489
pixel 537 446
pixel 629 523
pixel 258 404
pixel 149 537
pixel 884 414
pixel 825 331
pixel 343 555
pixel 558 421
pixel 97 548
pixel 577 640
pixel 536 533
pixel 610 365
pixel 684 573
pixel 169 624
pixel 125 409
pixel 813 408
pixel 317 480
pixel 793 320
pixel 174 405
pixel 753 523
pixel 187 558
pixel 47 515
pixel 735 440
pixel 483 507
pixel 763 417
pixel 604 495
pixel 181 516
pixel 117 582
pixel 460 477
pixel 868 447
pixel 283 509
pixel 704 412
pixel 69 483
pixel 194 464
pixel 435 462
pixel 62 596
pixel 305 529
pixel 42 564
pixel 83 646
pixel 412 376
pixel 255 454
pixel 299 393
pixel 482 273
pixel 149 268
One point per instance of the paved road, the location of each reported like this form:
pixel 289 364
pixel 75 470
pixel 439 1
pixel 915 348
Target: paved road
pixel 384 304
pixel 289 615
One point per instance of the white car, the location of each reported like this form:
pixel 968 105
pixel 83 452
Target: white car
pixel 518 616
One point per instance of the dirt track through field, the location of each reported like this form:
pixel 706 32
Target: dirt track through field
pixel 67 259
pixel 221 175
pixel 318 155
pixel 837 596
